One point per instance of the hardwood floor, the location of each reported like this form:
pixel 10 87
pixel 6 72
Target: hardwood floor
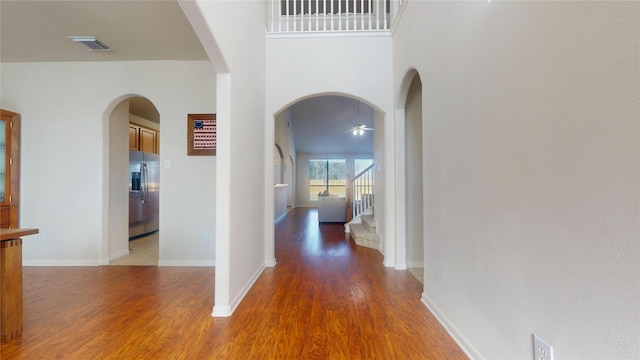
pixel 325 299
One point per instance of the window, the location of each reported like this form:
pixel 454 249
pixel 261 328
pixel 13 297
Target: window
pixel 362 164
pixel 327 175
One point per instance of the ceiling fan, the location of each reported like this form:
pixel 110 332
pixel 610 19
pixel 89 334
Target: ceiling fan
pixel 359 129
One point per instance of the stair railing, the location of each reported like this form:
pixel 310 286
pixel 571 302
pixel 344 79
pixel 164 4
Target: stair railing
pixel 361 192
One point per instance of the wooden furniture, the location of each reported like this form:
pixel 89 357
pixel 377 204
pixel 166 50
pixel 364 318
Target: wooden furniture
pixel 144 139
pixel 9 168
pixel 11 282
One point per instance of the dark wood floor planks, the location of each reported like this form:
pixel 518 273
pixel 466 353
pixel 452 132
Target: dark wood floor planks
pixel 325 299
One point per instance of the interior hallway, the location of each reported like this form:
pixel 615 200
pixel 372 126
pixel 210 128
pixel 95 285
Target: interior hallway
pixel 325 299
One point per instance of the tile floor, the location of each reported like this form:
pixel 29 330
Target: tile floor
pixel 142 252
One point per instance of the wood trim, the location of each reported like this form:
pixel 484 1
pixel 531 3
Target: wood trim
pixel 10 234
pixel 191 121
pixel 13 170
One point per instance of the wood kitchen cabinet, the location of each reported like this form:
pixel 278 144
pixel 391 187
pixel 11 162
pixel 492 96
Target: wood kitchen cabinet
pixel 134 137
pixel 9 169
pixel 144 139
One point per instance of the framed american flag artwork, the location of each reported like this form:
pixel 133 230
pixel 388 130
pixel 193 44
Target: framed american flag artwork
pixel 201 134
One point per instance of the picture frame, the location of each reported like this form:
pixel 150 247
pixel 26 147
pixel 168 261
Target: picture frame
pixel 201 134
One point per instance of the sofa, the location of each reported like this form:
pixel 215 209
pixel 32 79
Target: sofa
pixel 332 208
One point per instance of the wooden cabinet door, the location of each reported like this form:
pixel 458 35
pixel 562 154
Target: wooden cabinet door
pixel 134 137
pixel 157 142
pixel 4 161
pixel 144 139
pixel 147 140
pixel 10 168
pixel 4 217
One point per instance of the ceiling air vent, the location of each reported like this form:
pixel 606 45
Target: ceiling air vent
pixel 90 42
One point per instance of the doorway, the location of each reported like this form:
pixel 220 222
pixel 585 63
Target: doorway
pixel 289 178
pixel 134 183
pixel 320 130
pixel 414 180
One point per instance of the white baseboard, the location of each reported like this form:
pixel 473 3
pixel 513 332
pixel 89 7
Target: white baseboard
pixel 280 217
pixel 186 263
pixel 221 311
pixel 60 263
pixel 226 311
pixel 98 262
pixel 270 263
pixel 415 264
pixel 457 336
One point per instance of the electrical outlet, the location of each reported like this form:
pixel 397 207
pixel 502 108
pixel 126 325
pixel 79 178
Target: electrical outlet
pixel 205 238
pixel 541 350
pixel 42 239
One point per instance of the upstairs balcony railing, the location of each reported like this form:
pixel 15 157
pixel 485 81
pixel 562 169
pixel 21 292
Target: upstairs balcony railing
pixel 300 16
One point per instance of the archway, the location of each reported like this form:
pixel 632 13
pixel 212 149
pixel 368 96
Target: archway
pixel 118 178
pixel 414 179
pixel 289 178
pixel 354 110
pixel 409 176
pixel 278 160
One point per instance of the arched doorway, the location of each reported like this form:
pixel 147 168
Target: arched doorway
pixel 331 119
pixel 414 206
pixel 278 161
pixel 289 178
pixel 128 112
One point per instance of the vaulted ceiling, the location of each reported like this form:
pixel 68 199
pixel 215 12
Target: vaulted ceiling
pixel 321 125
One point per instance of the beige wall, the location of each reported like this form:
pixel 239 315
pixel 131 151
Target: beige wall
pixel 284 138
pixel 414 176
pixel 66 152
pixel 531 134
pixel 363 71
pixel 237 53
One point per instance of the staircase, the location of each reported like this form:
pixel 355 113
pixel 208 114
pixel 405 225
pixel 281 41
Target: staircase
pixel 364 233
pixel 362 226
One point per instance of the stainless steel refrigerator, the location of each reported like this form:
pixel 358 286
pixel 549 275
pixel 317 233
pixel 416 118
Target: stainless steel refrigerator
pixel 144 191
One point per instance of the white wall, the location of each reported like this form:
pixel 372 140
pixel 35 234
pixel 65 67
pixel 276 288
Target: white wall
pixel 414 179
pixel 280 203
pixel 116 225
pixel 301 67
pixel 530 111
pixel 284 135
pixel 284 138
pixel 65 155
pixel 237 53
